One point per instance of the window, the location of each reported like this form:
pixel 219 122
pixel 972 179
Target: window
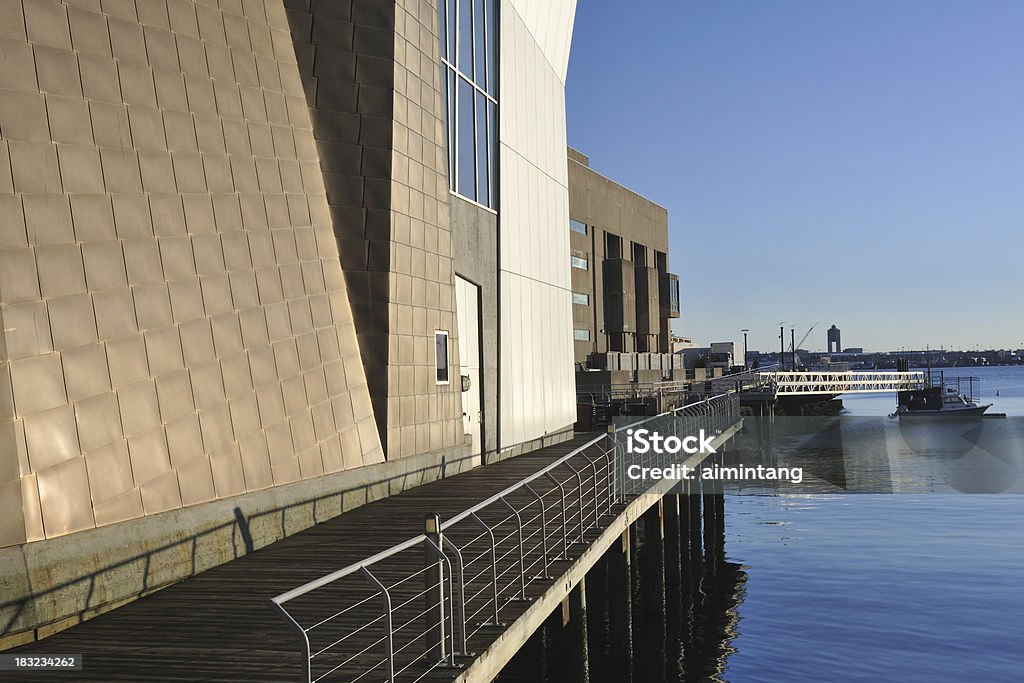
pixel 469 67
pixel 576 226
pixel 673 294
pixel 580 263
pixel 581 335
pixel 441 356
pixel 639 255
pixel 581 299
pixel 612 246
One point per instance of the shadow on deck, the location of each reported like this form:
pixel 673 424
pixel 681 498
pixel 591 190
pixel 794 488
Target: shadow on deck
pixel 218 626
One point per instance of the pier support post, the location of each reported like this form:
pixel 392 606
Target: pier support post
pixel 674 554
pixel 620 608
pixel 530 663
pixel 567 645
pixel 693 525
pixel 710 494
pixel 597 620
pixel 714 517
pixel 649 633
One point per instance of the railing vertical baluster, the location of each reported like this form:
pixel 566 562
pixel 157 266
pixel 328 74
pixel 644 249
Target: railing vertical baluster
pixel 522 559
pixel 610 487
pixel 305 639
pixel 458 606
pixel 390 638
pixel 543 531
pixel 579 478
pixel 494 568
pixel 565 531
pixel 447 597
pixel 597 509
pixel 434 541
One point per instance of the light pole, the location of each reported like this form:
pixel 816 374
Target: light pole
pixel 782 345
pixel 744 331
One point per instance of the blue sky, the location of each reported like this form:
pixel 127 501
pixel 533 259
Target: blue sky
pixel 854 162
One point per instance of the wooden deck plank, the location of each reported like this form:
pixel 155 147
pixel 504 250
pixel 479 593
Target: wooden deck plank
pixel 217 626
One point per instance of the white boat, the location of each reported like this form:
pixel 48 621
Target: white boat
pixel 937 402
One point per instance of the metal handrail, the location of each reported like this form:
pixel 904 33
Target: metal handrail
pixel 586 484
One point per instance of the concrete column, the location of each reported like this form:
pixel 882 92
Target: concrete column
pixel 620 609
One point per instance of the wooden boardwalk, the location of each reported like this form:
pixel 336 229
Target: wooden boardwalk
pixel 218 626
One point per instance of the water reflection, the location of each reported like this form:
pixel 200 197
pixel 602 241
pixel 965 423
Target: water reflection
pixel 878 455
pixel 662 607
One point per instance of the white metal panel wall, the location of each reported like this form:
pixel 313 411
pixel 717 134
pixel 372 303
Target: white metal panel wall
pixel 538 386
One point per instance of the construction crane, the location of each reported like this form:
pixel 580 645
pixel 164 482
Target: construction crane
pixel 795 345
pixel 804 338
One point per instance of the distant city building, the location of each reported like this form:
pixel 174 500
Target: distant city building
pixel 834 343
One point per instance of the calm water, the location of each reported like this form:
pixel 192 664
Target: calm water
pixel 917 583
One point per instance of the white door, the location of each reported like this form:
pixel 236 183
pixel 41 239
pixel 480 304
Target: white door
pixel 467 308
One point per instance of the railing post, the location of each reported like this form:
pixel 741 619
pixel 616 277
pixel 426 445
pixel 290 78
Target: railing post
pixel 305 639
pixel 597 509
pixel 458 606
pixel 612 488
pixel 522 559
pixel 543 531
pixel 433 591
pixel 565 532
pixel 389 638
pixel 579 478
pixel 494 570
pixel 616 462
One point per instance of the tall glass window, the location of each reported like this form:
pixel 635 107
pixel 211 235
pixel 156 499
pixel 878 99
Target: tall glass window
pixel 469 68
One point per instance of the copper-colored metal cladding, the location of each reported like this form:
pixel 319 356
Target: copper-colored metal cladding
pixel 176 323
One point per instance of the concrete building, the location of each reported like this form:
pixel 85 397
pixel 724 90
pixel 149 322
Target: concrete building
pixel 249 251
pixel 624 297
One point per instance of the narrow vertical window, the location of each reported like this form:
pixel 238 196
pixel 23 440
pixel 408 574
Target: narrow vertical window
pixel 465 62
pixel 483 182
pixel 453 28
pixel 443 28
pixel 479 45
pixel 469 36
pixel 441 356
pixel 452 137
pixel 492 49
pixel 492 146
pixel 465 148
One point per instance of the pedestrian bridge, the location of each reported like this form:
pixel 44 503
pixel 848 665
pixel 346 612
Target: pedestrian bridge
pixel 847 382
